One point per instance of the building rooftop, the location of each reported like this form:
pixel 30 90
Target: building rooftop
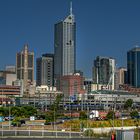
pixel 118 92
pixel 137 48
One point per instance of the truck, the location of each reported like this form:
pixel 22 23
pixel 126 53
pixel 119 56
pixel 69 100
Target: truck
pixel 94 114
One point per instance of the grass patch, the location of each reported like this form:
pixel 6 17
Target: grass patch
pixel 76 124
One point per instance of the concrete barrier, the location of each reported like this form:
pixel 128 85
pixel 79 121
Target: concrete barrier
pixel 109 129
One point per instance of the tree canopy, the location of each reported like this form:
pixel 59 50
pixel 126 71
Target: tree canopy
pixel 128 103
pixel 24 111
pixel 110 115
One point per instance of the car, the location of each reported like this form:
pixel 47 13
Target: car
pixel 7 118
pixel 124 118
pixel 136 117
pixel 18 123
pixel 22 122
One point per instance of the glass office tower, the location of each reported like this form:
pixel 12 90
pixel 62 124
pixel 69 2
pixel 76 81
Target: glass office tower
pixel 64 47
pixel 133 67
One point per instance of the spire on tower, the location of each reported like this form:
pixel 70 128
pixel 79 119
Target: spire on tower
pixel 71 8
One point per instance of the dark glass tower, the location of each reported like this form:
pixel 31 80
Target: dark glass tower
pixel 133 67
pixel 45 70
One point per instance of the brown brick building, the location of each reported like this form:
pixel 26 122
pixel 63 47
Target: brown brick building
pixel 72 85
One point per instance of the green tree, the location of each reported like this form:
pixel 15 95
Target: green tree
pixel 1 111
pixel 49 117
pixel 16 121
pixel 4 111
pixel 110 115
pixel 55 108
pixel 128 103
pixel 55 105
pixel 25 111
pixel 134 114
pixel 15 111
pixel 83 115
pixel 29 110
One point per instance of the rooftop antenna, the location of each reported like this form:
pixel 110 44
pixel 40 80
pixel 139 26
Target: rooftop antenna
pixel 71 8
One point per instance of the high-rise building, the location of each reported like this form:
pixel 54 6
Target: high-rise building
pixel 103 72
pixel 45 70
pixel 133 67
pixel 65 47
pixel 120 77
pixel 25 67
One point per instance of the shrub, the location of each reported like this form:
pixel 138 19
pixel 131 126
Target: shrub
pixel 134 114
pixel 83 115
pixel 110 115
pixel 88 133
pixel 16 122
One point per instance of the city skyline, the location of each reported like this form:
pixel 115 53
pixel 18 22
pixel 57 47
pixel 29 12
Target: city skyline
pixel 104 28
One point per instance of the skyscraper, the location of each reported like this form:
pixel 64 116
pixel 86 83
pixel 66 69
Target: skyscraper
pixel 45 70
pixel 103 71
pixel 65 47
pixel 133 67
pixel 25 66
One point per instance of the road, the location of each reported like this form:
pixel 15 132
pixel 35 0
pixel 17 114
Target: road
pixel 52 139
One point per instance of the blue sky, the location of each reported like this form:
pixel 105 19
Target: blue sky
pixel 104 27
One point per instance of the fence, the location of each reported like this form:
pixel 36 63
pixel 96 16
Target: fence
pixel 39 133
pixel 45 134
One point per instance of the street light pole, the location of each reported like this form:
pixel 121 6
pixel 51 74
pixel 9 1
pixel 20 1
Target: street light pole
pixel 122 109
pixel 54 119
pixel 9 114
pixel 2 98
pixel 87 115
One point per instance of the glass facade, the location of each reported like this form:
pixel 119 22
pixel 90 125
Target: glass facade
pixel 30 60
pixel 104 68
pixel 133 67
pixel 65 48
pixel 103 71
pixel 45 70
